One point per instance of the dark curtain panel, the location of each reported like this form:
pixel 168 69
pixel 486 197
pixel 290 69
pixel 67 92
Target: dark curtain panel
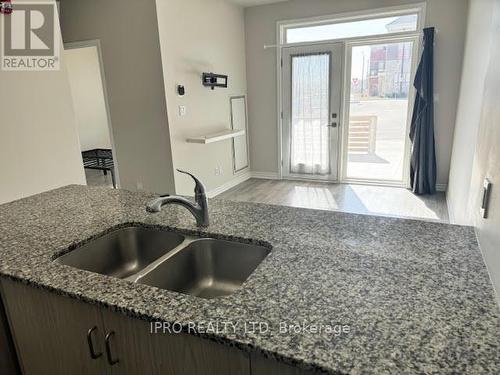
pixel 423 157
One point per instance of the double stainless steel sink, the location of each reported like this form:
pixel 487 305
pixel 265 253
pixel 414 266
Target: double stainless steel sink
pixel 203 267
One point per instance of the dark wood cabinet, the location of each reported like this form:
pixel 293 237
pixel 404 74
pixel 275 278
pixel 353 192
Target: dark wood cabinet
pixel 138 351
pixel 264 366
pixel 50 331
pixel 54 335
pixel 8 358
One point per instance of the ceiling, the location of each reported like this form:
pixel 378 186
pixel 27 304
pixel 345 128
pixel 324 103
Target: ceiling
pixel 251 3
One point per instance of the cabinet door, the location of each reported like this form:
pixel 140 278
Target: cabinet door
pixel 8 358
pixel 50 331
pixel 265 366
pixel 138 351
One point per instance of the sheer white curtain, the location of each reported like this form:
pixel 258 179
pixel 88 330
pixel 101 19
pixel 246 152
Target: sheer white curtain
pixel 310 149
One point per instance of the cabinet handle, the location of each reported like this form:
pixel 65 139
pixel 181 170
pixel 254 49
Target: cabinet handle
pixel 93 354
pixel 111 361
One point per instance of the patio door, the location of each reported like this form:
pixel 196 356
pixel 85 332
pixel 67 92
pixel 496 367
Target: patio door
pixel 378 105
pixel 312 86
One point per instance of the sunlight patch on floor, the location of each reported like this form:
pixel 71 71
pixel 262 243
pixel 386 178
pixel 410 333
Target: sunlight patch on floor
pixel 358 199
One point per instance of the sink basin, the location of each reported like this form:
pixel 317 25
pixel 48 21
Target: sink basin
pixel 203 267
pixel 206 268
pixel 123 252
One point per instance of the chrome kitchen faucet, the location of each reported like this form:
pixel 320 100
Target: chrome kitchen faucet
pixel 198 209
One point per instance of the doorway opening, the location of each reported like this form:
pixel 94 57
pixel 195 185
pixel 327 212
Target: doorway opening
pixel 346 96
pixel 88 88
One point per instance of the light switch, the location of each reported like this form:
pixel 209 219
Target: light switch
pixel 182 110
pixel 486 198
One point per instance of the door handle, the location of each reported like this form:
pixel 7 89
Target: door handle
pixel 90 342
pixel 332 125
pixel 111 360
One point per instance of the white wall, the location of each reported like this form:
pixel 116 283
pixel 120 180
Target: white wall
pixel 449 16
pixel 88 97
pixel 128 32
pixel 484 110
pixel 476 59
pixel 199 36
pixel 39 148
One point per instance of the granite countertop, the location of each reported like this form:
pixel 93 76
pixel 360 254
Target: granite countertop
pixel 416 296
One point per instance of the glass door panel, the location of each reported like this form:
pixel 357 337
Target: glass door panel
pixel 311 107
pixel 310 143
pixel 380 82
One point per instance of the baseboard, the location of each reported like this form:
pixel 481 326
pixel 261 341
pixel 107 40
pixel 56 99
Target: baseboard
pixel 441 187
pixel 264 175
pixel 269 176
pixel 238 179
pixel 274 176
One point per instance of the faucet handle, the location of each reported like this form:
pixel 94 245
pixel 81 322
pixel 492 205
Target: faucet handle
pixel 199 188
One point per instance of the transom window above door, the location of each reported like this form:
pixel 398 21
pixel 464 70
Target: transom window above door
pixel 353 27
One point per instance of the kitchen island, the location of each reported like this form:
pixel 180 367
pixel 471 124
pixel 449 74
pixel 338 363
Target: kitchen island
pixel 338 293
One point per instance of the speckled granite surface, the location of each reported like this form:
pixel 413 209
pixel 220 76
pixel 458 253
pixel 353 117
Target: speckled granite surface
pixel 416 295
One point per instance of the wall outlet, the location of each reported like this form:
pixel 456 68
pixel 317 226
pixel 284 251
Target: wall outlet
pixel 140 186
pixel 182 110
pixel 218 171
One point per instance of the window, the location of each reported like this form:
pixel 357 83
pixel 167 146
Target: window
pixel 352 29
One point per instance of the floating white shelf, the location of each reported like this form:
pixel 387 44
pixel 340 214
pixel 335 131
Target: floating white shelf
pixel 216 137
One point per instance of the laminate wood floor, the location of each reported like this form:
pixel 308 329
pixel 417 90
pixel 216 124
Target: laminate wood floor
pixel 359 199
